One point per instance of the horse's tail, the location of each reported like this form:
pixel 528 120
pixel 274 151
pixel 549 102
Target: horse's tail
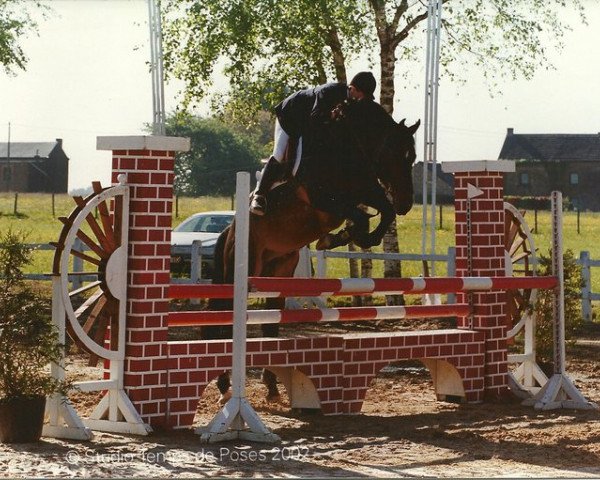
pixel 219 262
pixel 210 332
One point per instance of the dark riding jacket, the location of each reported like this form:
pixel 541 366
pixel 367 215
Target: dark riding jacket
pixel 301 109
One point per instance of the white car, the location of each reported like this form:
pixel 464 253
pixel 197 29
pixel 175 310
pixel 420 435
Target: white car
pixel 206 227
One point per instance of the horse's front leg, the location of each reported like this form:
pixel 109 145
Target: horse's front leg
pixel 333 240
pixel 387 215
pixel 357 228
pixel 378 200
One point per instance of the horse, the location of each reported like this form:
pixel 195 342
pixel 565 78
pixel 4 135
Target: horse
pixel 372 163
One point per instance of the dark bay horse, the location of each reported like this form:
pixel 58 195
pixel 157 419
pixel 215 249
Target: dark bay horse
pixel 365 158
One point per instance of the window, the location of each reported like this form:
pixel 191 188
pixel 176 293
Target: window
pixel 206 223
pixel 524 178
pixel 574 179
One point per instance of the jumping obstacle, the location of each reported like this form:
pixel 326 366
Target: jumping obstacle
pixel 164 380
pixel 265 287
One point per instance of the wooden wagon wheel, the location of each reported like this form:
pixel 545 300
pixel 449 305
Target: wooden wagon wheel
pixel 520 260
pixel 95 324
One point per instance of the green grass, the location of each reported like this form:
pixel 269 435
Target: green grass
pixel 35 217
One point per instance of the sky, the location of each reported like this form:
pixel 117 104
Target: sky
pixel 88 76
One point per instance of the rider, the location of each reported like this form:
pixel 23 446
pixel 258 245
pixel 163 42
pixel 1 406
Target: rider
pixel 296 116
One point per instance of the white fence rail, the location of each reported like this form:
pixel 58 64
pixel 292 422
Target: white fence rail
pixel 77 278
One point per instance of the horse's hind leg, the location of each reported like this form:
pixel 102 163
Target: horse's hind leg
pixel 222 256
pixel 216 333
pixel 281 267
pixel 224 386
pixel 268 378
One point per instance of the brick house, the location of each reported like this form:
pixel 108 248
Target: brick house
pixel 34 167
pixel 545 162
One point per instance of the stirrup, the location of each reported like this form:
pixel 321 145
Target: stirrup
pixel 258 206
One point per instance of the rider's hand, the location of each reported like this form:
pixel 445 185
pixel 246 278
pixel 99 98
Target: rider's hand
pixel 337 113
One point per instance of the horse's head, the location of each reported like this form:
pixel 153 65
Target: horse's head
pixel 388 148
pixel 394 164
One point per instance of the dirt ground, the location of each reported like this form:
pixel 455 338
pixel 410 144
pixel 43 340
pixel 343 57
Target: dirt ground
pixel 402 432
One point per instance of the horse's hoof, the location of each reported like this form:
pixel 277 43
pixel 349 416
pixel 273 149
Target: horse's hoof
pixel 323 243
pixel 330 241
pixel 367 241
pixel 258 205
pixel 362 243
pixel 257 211
pixel 225 397
pixel 274 398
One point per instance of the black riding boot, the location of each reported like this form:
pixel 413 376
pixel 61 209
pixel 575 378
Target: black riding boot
pixel 272 172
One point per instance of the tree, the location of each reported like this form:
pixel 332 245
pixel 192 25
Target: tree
pixel 216 154
pixel 270 47
pixel 267 47
pixel 15 23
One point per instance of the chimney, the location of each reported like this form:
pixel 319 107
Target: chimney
pixel 509 131
pixel 59 141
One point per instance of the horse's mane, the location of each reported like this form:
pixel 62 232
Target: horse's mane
pixel 343 152
pixel 367 122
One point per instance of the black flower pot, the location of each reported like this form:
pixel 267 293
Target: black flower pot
pixel 21 419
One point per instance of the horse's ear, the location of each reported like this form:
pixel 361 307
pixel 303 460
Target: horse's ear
pixel 401 123
pixel 412 129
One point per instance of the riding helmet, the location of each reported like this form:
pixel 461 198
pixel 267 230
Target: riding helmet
pixel 365 82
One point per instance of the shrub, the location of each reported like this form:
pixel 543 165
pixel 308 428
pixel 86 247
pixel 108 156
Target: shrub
pixel 28 338
pixel 573 282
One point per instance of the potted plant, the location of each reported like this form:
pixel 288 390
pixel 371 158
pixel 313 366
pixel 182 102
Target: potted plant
pixel 28 344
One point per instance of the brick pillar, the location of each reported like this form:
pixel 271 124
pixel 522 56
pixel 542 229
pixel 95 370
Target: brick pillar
pixel 488 258
pixel 148 162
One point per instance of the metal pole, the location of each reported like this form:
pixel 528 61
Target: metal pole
pixel 156 65
pixel 434 119
pixel 426 135
pixel 434 23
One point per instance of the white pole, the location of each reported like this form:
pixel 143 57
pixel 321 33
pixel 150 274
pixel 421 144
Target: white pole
pixel 559 294
pixel 237 419
pixel 559 391
pixel 240 284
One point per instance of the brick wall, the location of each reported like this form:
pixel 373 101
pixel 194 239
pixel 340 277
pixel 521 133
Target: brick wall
pixel 149 165
pixel 341 367
pixel 488 254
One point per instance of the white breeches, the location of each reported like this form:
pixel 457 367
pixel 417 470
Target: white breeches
pixel 281 143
